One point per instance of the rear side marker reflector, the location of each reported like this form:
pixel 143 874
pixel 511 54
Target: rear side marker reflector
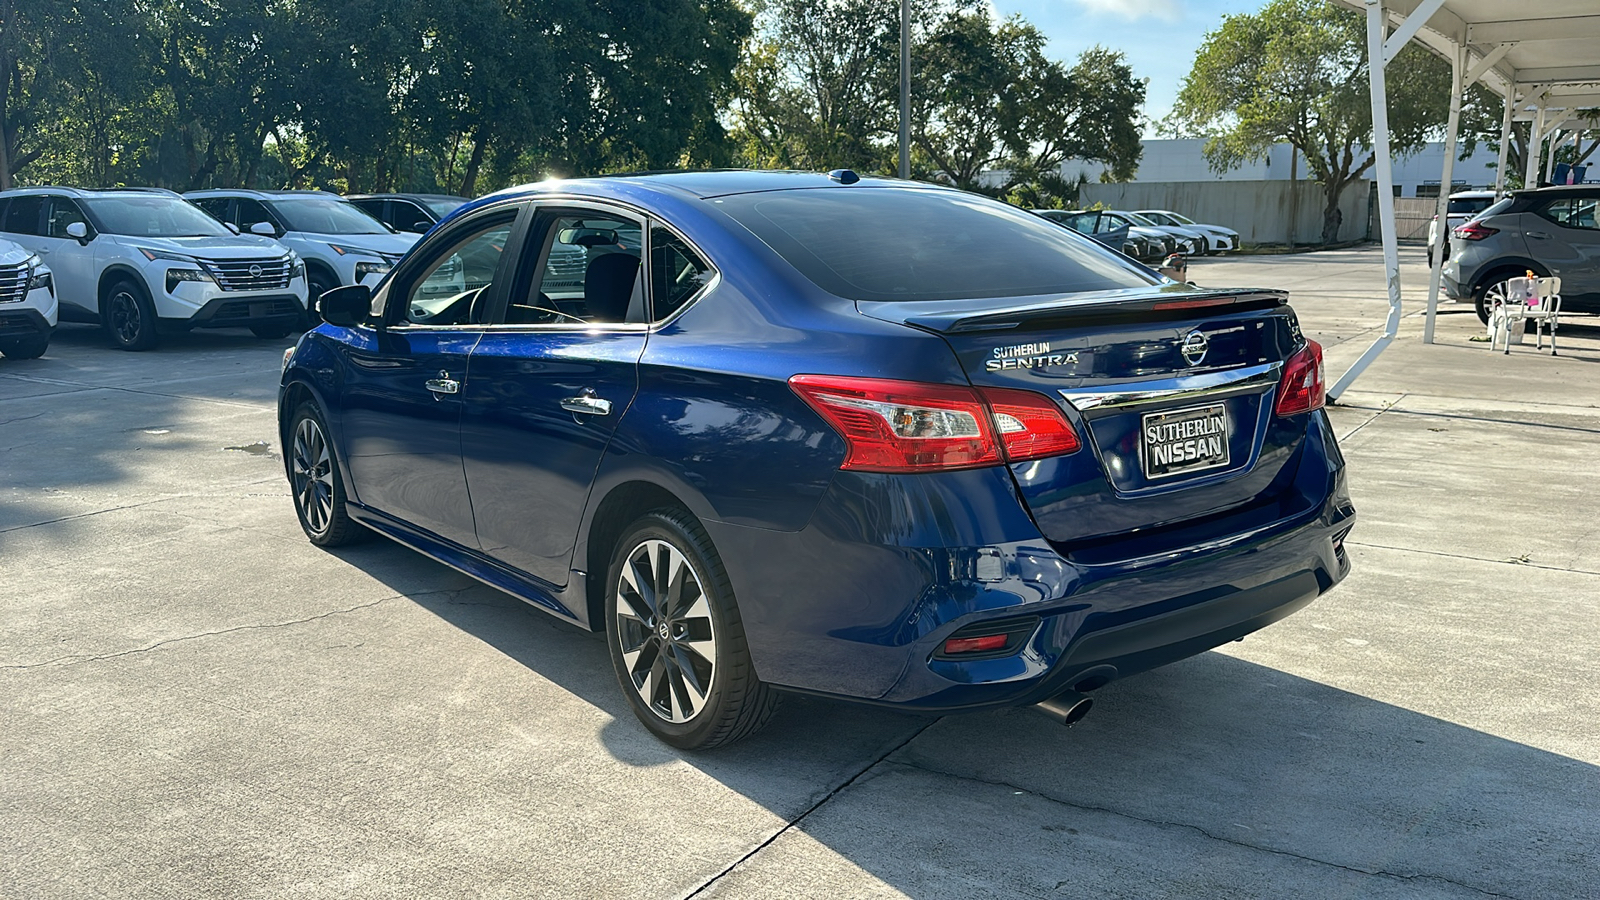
pixel 911 426
pixel 983 644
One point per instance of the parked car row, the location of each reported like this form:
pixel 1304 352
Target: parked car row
pixel 141 262
pixel 1148 236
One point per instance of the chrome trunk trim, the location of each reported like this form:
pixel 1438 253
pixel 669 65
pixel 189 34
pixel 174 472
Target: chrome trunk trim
pixel 1181 387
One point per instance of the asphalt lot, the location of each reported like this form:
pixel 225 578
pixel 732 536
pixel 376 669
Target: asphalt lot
pixel 195 702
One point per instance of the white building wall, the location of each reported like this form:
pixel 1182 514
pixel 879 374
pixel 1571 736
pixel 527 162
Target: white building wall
pixel 1183 159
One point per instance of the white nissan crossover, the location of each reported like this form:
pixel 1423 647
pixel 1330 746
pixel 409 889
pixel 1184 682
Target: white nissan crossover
pixel 140 261
pixel 340 243
pixel 27 303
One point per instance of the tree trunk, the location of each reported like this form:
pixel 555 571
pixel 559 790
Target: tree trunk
pixel 469 179
pixel 1332 217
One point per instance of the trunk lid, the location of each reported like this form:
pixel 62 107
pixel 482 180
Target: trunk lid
pixel 1170 389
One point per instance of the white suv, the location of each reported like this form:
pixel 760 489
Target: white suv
pixel 340 242
pixel 27 303
pixel 140 261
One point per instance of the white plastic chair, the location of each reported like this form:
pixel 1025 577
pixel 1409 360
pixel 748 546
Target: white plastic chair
pixel 1536 300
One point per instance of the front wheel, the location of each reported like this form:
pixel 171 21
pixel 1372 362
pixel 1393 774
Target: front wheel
pixel 129 317
pixel 677 642
pixel 25 347
pixel 315 482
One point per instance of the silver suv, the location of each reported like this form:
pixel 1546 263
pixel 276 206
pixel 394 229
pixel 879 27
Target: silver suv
pixel 141 261
pixel 1550 231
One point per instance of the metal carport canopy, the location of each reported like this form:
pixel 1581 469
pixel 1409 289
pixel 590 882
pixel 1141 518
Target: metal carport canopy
pixel 1542 56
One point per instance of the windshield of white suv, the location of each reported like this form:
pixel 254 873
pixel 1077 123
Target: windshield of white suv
pixel 322 215
pixel 1141 220
pixel 151 216
pixel 442 208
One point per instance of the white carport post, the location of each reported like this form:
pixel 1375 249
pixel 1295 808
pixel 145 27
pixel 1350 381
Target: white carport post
pixel 1458 65
pixel 1378 89
pixel 1535 145
pixel 1505 139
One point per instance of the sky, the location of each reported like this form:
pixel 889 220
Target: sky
pixel 1160 37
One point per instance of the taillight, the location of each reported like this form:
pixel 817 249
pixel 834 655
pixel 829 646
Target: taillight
pixel 1030 425
pixel 1473 231
pixel 1301 389
pixel 911 426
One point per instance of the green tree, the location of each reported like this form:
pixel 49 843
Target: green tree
pixel 1296 72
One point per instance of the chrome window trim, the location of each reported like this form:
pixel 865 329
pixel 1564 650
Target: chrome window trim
pixel 1180 387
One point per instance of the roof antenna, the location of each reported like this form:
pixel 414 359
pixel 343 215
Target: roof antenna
pixel 844 176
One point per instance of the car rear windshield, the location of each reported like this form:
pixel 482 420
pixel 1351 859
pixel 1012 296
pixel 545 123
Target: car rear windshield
pixel 151 216
pixel 319 215
pixel 911 244
pixel 1470 205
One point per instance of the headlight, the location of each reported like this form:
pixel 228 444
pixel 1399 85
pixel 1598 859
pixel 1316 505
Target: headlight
pixel 354 251
pixel 154 255
pixel 287 354
pixel 297 266
pixel 363 269
pixel 37 276
pixel 177 276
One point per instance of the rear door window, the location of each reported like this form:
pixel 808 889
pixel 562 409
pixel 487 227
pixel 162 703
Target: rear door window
pixel 24 214
pixel 873 243
pixel 677 273
pixel 1573 212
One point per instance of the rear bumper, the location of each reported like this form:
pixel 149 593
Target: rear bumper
pixel 858 603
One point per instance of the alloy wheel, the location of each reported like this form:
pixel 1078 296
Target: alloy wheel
pixel 126 319
pixel 313 475
pixel 665 631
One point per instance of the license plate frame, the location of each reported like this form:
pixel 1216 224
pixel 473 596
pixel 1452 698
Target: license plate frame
pixel 1212 434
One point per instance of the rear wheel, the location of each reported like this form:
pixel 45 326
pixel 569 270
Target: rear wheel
pixel 25 347
pixel 677 642
pixel 129 317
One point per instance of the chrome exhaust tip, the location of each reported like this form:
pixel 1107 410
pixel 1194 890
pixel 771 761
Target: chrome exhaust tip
pixel 1068 707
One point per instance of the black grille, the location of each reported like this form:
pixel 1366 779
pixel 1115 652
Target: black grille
pixel 249 274
pixel 13 283
pixel 14 325
pixel 255 309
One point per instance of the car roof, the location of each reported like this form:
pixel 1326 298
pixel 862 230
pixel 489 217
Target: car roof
pixel 446 197
pixel 259 195
pixel 1472 195
pixel 82 193
pixel 1579 190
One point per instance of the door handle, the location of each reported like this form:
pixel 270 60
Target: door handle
pixel 587 404
pixel 1537 234
pixel 444 384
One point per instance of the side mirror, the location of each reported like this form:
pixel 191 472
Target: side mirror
pixel 346 306
pixel 420 226
pixel 78 232
pixel 264 229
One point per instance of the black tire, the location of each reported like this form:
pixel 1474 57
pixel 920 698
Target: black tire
pixel 271 332
pixel 31 347
pixel 318 282
pixel 129 317
pixel 1495 281
pixel 659 641
pixel 315 484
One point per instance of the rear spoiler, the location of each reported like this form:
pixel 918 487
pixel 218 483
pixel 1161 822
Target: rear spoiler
pixel 1071 310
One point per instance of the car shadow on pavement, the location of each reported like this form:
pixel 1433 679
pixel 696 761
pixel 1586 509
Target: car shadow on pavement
pixel 1210 763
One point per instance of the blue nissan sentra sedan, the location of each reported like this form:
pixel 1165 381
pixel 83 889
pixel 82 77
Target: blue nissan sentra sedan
pixel 855 437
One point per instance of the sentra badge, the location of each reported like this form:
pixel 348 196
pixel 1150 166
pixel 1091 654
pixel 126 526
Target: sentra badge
pixel 1028 356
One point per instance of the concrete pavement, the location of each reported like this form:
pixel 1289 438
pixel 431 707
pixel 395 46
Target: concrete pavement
pixel 194 701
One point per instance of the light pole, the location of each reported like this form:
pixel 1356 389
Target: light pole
pixel 905 88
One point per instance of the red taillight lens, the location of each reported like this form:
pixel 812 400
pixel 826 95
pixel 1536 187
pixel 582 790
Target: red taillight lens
pixel 1301 389
pixel 976 644
pixel 1473 231
pixel 902 426
pixel 1030 425
pixel 910 426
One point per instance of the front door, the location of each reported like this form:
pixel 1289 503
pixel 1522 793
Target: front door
pixel 403 393
pixel 549 382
